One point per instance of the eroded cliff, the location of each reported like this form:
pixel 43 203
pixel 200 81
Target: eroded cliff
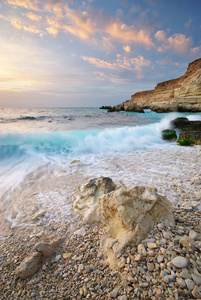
pixel 181 94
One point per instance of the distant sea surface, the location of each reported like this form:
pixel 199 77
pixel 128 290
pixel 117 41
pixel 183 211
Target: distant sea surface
pixel 76 143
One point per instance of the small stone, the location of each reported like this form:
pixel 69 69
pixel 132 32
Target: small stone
pixel 160 226
pixel 187 242
pixel 130 278
pixel 185 274
pixel 160 259
pixel 180 262
pixel 114 293
pixel 196 279
pixel 122 297
pixel 80 231
pixel 67 255
pixel 151 252
pixel 167 235
pixel 190 284
pixel 138 257
pixel 193 235
pixel 151 245
pixel 196 292
pixel 181 282
pixel 150 266
pixel 141 250
pixel 121 262
pixel 166 279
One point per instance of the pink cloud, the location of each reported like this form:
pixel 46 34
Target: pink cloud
pixel 28 4
pixel 177 42
pixel 129 34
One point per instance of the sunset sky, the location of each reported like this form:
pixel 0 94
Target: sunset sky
pixel 93 52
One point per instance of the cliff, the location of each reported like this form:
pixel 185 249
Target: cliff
pixel 181 94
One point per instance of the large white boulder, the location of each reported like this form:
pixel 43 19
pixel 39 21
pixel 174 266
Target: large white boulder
pixel 127 213
pixel 86 202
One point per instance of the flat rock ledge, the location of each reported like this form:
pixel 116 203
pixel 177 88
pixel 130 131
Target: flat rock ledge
pixel 127 214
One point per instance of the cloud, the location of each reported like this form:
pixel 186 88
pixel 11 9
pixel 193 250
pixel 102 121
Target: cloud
pixel 33 17
pixel 80 24
pixel 129 34
pixel 28 4
pixel 177 42
pixel 127 48
pixel 130 64
pixel 189 23
pixel 31 28
pixel 16 23
pixel 100 63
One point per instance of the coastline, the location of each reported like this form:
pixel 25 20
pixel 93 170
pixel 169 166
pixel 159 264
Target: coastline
pixel 84 273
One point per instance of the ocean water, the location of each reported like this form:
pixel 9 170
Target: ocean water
pixel 46 153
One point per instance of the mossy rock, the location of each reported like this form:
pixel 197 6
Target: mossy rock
pixel 185 142
pixel 169 135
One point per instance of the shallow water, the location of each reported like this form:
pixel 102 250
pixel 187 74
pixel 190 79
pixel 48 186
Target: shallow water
pixel 45 154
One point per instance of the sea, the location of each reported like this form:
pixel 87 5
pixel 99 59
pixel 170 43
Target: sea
pixel 47 153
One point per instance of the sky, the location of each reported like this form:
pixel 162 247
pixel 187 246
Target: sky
pixel 71 53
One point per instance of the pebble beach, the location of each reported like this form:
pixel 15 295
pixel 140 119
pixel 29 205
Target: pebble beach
pixel 166 265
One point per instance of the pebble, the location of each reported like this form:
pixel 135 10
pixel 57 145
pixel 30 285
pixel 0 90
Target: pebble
pixel 196 279
pixel 180 262
pixel 181 282
pixel 151 245
pixel 80 270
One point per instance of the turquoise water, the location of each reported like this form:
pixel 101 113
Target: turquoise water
pixel 51 138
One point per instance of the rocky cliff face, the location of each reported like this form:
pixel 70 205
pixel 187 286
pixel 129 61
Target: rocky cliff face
pixel 181 94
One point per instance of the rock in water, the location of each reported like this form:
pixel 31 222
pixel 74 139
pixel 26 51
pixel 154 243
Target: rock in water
pixel 86 202
pixel 29 266
pixel 129 214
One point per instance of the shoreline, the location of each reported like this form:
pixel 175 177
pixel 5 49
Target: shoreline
pixel 84 273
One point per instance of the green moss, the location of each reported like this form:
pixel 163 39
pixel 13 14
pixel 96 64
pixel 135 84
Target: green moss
pixel 169 135
pixel 185 142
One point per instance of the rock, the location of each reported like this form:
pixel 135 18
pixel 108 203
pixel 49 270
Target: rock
pixel 87 199
pixel 150 266
pixel 196 279
pixel 141 250
pixel 29 266
pixel 196 292
pixel 129 213
pixel 67 255
pixel 181 94
pixel 151 245
pixel 169 135
pixel 114 293
pixel 187 242
pixel 48 249
pixel 181 282
pixel 80 231
pixel 126 106
pixel 167 235
pixel 190 284
pixel 193 235
pixel 190 131
pixel 180 262
pixel 122 297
